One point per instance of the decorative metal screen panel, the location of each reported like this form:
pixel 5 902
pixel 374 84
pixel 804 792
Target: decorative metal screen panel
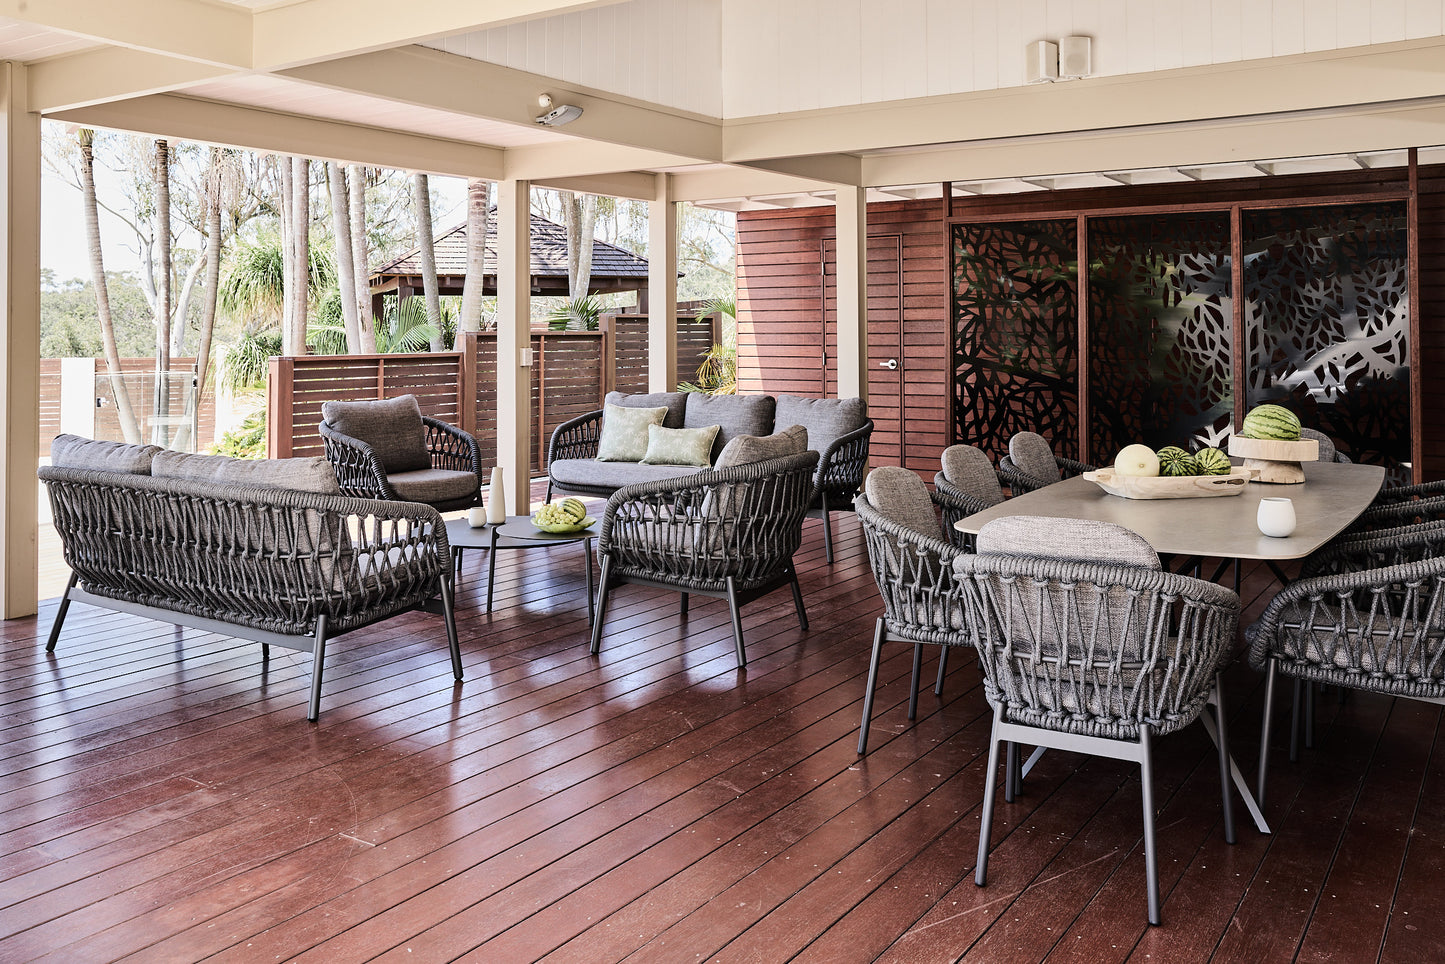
pixel 1327 323
pixel 1160 331
pixel 1015 319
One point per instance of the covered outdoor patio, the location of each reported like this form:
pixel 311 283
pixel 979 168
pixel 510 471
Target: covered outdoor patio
pixel 657 804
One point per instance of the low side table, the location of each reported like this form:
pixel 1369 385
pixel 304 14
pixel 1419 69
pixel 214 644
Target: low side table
pixel 517 533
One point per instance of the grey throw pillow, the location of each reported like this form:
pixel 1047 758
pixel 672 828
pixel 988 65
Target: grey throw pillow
pixel 745 449
pixel 624 432
pixel 679 446
pixel 76 452
pixel 734 415
pixel 826 419
pixel 303 475
pixel 391 426
pixel 674 402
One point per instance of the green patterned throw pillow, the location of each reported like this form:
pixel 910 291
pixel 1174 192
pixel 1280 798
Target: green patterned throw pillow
pixel 624 432
pixel 679 446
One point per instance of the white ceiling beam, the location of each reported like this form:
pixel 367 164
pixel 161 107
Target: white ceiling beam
pixel 422 77
pixel 834 168
pixel 111 73
pixel 211 33
pixel 172 115
pixel 546 162
pixel 1348 77
pixel 737 182
pixel 1183 146
pixel 628 184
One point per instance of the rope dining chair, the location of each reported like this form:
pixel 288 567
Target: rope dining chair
pixel 1031 464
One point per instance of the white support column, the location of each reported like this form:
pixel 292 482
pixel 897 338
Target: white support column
pixel 514 337
pixel 851 215
pixel 20 346
pixel 662 288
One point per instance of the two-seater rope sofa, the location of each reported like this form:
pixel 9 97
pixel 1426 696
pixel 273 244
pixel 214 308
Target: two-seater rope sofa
pixel 263 550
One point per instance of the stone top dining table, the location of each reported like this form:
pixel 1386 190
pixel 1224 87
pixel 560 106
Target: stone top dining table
pixel 1332 496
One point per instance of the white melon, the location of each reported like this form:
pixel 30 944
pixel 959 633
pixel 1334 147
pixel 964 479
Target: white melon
pixel 1137 460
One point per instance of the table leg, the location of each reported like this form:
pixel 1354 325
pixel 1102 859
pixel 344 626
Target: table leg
pixel 491 569
pixel 1239 782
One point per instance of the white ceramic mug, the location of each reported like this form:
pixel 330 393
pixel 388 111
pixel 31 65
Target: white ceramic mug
pixel 477 516
pixel 1276 517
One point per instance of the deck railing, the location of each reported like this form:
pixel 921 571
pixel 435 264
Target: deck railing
pixel 571 373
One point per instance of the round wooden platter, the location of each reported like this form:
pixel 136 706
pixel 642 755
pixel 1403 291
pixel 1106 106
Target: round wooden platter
pixel 1176 487
pixel 1275 460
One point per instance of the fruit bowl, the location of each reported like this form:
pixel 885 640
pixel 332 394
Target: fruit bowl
pixel 1176 487
pixel 560 528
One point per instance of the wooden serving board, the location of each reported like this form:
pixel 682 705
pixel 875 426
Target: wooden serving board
pixel 1177 487
pixel 1275 460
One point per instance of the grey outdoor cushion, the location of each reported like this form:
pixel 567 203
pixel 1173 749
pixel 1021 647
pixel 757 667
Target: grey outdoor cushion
pixel 826 419
pixel 1071 540
pixel 1033 455
pixel 433 485
pixel 734 415
pixel 969 470
pixel 901 497
pixel 303 475
pixel 1327 444
pixel 679 446
pixel 674 402
pixel 745 449
pixel 624 432
pixel 391 426
pixel 617 474
pixel 75 452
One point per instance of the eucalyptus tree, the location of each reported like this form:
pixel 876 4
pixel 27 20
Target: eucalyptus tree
pixel 345 267
pixel 426 246
pixel 356 201
pixel 478 203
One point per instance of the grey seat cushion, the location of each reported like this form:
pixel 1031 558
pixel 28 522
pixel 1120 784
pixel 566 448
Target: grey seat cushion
pixel 433 485
pixel 746 449
pixel 590 473
pixel 734 415
pixel 1034 456
pixel 826 419
pixel 76 452
pixel 674 402
pixel 901 497
pixel 1071 540
pixel 969 469
pixel 303 475
pixel 391 426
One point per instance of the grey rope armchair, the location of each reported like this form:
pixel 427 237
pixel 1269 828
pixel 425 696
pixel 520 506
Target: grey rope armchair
pixel 970 483
pixel 386 449
pixel 727 533
pixel 914 571
pixel 839 477
pixel 1366 613
pixel 1031 464
pixel 1096 656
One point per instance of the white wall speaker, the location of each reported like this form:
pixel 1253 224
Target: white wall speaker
pixel 1041 62
pixel 1075 56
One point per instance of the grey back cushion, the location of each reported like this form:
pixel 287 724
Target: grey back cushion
pixel 1034 456
pixel 1327 444
pixel 900 496
pixel 391 426
pixel 674 402
pixel 970 470
pixel 1071 540
pixel 303 475
pixel 826 419
pixel 75 452
pixel 734 415
pixel 746 449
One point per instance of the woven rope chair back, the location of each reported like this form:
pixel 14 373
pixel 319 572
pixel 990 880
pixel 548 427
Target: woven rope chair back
pixel 921 597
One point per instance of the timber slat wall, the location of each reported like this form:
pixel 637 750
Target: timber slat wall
pixel 107 421
pixel 785 258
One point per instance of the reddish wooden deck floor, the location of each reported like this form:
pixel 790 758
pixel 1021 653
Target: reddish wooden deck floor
pixel 162 798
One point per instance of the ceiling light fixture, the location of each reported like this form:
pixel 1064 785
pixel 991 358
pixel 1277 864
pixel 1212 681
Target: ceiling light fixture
pixel 556 116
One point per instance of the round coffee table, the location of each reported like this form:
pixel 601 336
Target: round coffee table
pixel 516 533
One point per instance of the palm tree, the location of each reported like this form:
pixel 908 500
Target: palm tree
pixel 421 198
pixel 254 288
pixel 162 403
pixel 579 218
pixel 478 196
pixel 359 257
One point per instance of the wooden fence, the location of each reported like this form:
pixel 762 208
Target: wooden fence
pixel 571 373
pixel 90 410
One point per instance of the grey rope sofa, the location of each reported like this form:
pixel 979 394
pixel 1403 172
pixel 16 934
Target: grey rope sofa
pixel 278 566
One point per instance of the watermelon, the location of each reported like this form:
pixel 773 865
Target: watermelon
pixel 1174 461
pixel 574 508
pixel 1271 422
pixel 1212 462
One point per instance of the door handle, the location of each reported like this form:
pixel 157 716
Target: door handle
pixel 891 364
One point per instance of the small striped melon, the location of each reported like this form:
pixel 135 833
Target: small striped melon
pixel 1174 461
pixel 1212 462
pixel 1271 422
pixel 575 508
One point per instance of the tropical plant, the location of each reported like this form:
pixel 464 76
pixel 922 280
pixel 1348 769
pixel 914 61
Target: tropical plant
pixel 254 286
pixel 718 373
pixel 247 440
pixel 248 361
pixel 576 314
pixel 405 327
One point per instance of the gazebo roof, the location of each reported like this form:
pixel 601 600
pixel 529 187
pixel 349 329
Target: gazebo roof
pixel 613 268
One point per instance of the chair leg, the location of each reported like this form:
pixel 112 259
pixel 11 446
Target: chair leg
pixel 913 682
pixel 736 611
pixel 1010 773
pixel 827 529
pixel 449 617
pixel 878 634
pixel 1294 721
pixel 1259 783
pixel 318 656
pixel 942 668
pixel 60 612
pixel 1151 858
pixel 1310 715
pixel 604 588
pixel 985 820
pixel 798 598
pixel 1224 783
pixel 682 609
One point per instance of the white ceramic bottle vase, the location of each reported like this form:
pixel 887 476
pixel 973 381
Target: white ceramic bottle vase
pixel 1276 517
pixel 496 498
